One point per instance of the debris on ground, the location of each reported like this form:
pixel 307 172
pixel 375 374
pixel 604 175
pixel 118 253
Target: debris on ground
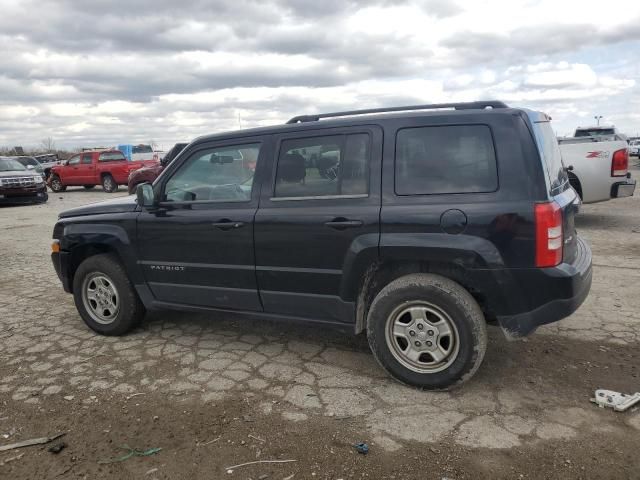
pixel 616 400
pixel 57 447
pixel 11 459
pixel 131 452
pixel 230 469
pixel 30 442
pixel 362 448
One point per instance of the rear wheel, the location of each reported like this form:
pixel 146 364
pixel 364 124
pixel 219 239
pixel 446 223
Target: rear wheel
pixel 427 331
pixel 104 296
pixel 88 187
pixel 56 184
pixel 109 185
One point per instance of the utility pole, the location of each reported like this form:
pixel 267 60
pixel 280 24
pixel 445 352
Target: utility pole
pixel 598 117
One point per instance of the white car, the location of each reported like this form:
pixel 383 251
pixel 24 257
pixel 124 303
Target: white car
pixel 634 148
pixel 598 167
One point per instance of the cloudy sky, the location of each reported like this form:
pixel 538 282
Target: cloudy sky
pixel 103 72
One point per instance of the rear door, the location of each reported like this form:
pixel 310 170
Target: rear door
pixel 318 214
pixel 558 185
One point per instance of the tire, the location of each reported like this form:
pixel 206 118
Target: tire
pixel 88 187
pixel 109 185
pixel 104 296
pixel 442 317
pixel 56 184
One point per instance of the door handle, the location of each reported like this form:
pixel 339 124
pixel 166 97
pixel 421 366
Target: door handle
pixel 343 223
pixel 227 224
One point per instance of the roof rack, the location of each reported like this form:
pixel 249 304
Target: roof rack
pixel 458 106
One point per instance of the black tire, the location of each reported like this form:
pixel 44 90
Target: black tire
pixel 129 311
pixel 109 185
pixel 447 302
pixel 56 184
pixel 88 187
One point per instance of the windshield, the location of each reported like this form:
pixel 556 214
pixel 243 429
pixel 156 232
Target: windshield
pixel 142 149
pixel 10 165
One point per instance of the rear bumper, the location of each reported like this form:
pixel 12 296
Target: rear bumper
pixel 553 293
pixel 623 189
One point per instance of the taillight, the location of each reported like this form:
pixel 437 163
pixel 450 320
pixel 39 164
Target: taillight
pixel 620 163
pixel 549 239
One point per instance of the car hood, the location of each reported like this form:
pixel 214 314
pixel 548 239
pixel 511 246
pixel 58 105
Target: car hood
pixel 117 205
pixel 19 173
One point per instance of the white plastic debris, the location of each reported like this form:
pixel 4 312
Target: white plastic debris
pixel 616 400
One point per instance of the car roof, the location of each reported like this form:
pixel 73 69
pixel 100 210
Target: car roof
pixel 360 119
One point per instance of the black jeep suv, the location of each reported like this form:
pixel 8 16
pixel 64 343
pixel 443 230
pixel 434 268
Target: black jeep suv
pixel 417 225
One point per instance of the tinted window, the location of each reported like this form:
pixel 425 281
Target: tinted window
pixel 594 132
pixel 446 159
pixel 323 166
pixel 550 153
pixel 111 156
pixel 222 174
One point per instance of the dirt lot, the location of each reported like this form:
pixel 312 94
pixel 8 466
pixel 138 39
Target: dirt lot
pixel 215 391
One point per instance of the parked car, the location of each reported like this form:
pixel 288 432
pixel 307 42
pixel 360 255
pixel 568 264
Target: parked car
pixel 108 168
pixel 149 174
pixel 439 219
pixel 47 161
pixel 634 148
pixel 599 131
pixel 140 152
pixel 598 167
pixel 32 164
pixel 19 184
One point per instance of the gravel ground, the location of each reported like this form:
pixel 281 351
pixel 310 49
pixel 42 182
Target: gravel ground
pixel 258 390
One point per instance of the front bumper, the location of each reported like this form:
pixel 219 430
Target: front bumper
pixel 623 189
pixel 23 195
pixel 61 262
pixel 555 293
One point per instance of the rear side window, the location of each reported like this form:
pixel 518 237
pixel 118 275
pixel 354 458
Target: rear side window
pixel 335 165
pixel 550 153
pixel 445 159
pixel 111 156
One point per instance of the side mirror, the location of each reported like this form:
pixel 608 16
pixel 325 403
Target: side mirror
pixel 145 196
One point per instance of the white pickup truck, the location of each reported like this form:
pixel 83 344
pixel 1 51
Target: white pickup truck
pixel 598 166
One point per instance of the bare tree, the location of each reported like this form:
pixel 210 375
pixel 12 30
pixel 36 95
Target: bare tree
pixel 48 144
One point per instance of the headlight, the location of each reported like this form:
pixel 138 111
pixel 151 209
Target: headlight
pixel 38 179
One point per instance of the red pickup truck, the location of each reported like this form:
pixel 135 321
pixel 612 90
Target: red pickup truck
pixel 108 168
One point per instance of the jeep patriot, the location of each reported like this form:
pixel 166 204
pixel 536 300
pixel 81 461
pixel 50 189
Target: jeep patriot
pixel 415 225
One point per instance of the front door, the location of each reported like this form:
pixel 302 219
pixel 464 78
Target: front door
pixel 319 221
pixel 71 174
pixel 196 247
pixel 86 169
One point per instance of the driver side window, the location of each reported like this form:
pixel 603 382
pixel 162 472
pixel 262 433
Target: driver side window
pixel 222 174
pixel 75 160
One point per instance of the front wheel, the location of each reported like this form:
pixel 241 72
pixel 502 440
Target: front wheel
pixel 427 331
pixel 104 296
pixel 56 184
pixel 109 185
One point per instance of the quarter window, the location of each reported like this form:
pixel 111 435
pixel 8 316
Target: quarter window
pixel 223 174
pixel 445 159
pixel 324 166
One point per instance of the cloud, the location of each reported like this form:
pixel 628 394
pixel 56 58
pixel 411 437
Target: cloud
pixel 108 70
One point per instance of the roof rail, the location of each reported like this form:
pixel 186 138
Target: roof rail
pixel 458 106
